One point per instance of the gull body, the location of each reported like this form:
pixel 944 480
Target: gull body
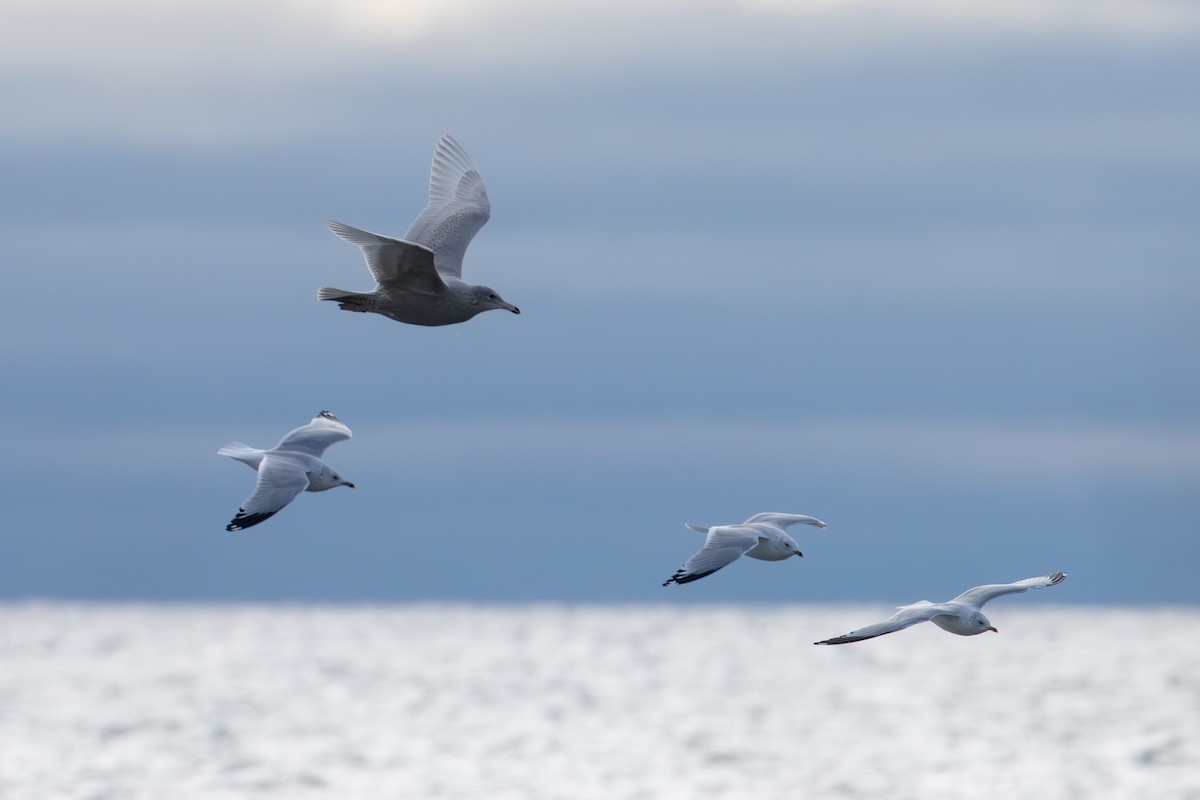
pixel 763 536
pixel 292 466
pixel 418 279
pixel 962 615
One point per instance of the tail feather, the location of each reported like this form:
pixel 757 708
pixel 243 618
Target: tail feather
pixel 348 301
pixel 244 453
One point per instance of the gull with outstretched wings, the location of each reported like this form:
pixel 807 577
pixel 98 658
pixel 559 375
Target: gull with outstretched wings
pixel 289 468
pixel 962 615
pixel 762 537
pixel 418 279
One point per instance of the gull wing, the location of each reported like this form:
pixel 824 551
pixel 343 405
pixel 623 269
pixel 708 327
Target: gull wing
pixel 458 207
pixel 783 520
pixel 312 439
pixel 906 617
pixel 981 594
pixel 395 264
pixel 279 481
pixel 723 546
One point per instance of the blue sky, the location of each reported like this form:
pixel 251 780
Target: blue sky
pixel 931 277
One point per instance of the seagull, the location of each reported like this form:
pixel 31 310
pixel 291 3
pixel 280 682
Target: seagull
pixel 419 278
pixel 762 537
pixel 291 467
pixel 960 615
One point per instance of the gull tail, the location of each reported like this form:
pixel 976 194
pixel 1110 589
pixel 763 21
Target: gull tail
pixel 251 456
pixel 347 301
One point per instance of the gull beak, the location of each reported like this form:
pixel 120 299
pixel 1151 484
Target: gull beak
pixel 512 308
pixel 797 552
pixel 993 630
pixel 351 485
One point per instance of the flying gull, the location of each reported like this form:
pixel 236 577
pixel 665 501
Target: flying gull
pixel 762 537
pixel 419 278
pixel 291 467
pixel 961 615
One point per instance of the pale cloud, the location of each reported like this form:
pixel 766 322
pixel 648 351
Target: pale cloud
pixel 1122 19
pixel 222 71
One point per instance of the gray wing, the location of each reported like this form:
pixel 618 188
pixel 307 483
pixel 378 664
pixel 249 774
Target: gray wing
pixel 906 617
pixel 395 264
pixel 783 520
pixel 279 481
pixel 458 207
pixel 312 439
pixel 981 594
pixel 722 547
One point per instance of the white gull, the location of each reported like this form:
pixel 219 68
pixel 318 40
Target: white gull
pixel 291 467
pixel 762 537
pixel 961 615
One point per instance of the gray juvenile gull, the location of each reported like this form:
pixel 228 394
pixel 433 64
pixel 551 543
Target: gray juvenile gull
pixel 762 537
pixel 291 467
pixel 419 278
pixel 960 615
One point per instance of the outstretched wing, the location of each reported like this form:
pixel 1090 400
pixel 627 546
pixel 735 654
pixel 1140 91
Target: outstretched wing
pixel 395 264
pixel 783 520
pixel 458 207
pixel 906 617
pixel 981 594
pixel 721 548
pixel 279 481
pixel 312 439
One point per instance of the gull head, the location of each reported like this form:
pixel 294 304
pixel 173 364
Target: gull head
pixel 326 479
pixel 979 623
pixel 488 298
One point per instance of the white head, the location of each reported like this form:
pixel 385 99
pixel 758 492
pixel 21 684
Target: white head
pixel 789 544
pixel 978 623
pixel 488 298
pixel 327 478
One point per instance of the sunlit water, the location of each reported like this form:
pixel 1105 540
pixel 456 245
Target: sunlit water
pixel 221 702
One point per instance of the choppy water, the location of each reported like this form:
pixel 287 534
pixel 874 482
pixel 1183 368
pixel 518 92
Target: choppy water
pixel 219 702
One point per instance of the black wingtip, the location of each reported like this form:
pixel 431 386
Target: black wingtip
pixel 682 577
pixel 243 520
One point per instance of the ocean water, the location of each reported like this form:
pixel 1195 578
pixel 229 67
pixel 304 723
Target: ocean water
pixel 540 702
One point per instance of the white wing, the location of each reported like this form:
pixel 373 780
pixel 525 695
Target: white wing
pixel 312 439
pixel 783 520
pixel 981 594
pixel 458 207
pixel 722 547
pixel 279 481
pixel 394 264
pixel 904 618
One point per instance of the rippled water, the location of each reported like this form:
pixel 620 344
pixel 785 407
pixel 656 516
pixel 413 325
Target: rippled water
pixel 594 702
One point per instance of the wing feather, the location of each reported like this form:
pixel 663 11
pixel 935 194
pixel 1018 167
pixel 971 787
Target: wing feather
pixel 279 481
pixel 981 594
pixel 394 263
pixel 312 439
pixel 906 617
pixel 458 207
pixel 722 547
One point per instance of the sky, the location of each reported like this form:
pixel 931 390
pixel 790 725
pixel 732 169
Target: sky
pixel 926 273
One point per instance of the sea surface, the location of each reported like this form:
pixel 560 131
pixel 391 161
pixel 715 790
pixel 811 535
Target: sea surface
pixel 174 702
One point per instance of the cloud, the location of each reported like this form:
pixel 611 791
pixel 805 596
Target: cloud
pixel 221 73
